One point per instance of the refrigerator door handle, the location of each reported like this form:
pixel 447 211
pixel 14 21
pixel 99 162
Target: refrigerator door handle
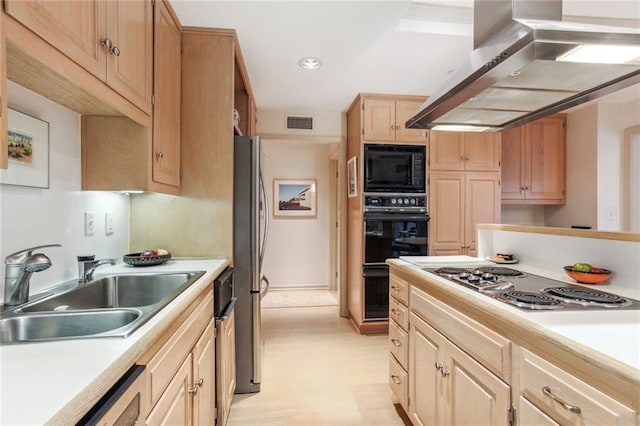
pixel 266 220
pixel 264 290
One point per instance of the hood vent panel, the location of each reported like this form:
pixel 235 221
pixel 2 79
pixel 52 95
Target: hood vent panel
pixel 300 123
pixel 520 73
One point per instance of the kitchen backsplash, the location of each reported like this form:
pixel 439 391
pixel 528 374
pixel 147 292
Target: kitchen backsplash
pixel 36 216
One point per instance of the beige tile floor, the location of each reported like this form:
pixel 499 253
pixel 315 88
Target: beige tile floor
pixel 318 371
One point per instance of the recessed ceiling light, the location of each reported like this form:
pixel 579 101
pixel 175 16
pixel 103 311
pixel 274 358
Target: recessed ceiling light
pixel 310 63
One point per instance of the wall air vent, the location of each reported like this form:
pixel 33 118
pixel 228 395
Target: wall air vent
pixel 303 123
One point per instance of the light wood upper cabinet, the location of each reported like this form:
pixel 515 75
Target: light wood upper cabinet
pixel 534 162
pixel 458 202
pixel 464 151
pixel 383 121
pixel 3 99
pixel 110 39
pixel 119 154
pixel 166 109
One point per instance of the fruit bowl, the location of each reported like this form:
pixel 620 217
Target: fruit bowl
pixel 596 276
pixel 136 259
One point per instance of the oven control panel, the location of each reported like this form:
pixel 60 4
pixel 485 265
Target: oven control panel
pixel 397 202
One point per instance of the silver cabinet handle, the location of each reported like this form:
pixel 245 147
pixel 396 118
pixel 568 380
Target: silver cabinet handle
pixel 106 43
pixel 199 382
pixel 396 379
pixel 115 51
pixel 443 369
pixel 396 343
pixel 394 311
pixel 159 155
pixel 193 390
pixel 573 408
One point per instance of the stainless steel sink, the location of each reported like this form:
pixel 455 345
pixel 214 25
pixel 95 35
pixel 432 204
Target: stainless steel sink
pixel 109 306
pixel 116 291
pixel 56 326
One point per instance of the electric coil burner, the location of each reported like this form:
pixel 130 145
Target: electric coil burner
pixel 587 297
pixel 530 300
pixel 532 292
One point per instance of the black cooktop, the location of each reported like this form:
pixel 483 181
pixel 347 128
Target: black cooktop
pixel 532 292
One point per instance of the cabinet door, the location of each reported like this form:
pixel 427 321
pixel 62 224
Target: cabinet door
pixel 204 400
pixel 446 200
pixel 174 406
pixel 446 151
pixel 404 111
pixel 166 111
pixel 73 27
pixel 226 360
pixel 482 151
pixel 129 68
pixel 425 381
pixel 513 170
pixel 3 99
pixel 530 415
pixel 379 120
pixel 481 205
pixel 545 146
pixel 475 395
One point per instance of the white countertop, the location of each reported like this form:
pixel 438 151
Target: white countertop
pixel 56 382
pixel 614 333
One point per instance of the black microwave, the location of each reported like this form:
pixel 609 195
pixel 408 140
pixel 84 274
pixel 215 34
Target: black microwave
pixel 394 168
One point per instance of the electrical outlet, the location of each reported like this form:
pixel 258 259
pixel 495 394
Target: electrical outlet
pixel 89 223
pixel 108 223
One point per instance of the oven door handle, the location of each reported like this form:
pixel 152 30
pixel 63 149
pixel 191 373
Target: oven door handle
pixel 396 216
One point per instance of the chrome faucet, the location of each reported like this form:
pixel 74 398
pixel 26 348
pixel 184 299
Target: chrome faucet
pixel 87 265
pixel 18 268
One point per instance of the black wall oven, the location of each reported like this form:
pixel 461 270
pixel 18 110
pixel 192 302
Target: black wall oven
pixel 394 168
pixel 394 226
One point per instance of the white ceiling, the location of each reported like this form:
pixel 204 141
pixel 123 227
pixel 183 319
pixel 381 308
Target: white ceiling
pixel 357 42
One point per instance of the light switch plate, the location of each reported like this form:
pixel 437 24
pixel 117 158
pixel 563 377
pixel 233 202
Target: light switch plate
pixel 89 223
pixel 108 223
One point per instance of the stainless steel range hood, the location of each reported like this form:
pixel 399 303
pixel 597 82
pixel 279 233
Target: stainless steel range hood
pixel 523 68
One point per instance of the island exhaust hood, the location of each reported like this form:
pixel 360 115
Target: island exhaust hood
pixel 527 64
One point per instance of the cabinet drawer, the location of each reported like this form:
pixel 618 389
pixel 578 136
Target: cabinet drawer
pixel 399 313
pixel 399 343
pixel 555 392
pixel 164 364
pixel 399 289
pixel 486 346
pixel 399 382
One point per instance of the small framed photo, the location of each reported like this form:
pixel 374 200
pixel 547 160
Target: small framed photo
pixel 28 151
pixel 352 178
pixel 294 198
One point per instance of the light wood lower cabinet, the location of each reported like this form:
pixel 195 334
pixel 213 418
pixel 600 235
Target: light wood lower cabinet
pixel 182 372
pixel 131 407
pixel 447 386
pixel 562 397
pixel 226 366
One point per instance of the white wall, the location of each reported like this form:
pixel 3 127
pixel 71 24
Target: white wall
pixel 513 214
pixel 582 173
pixel 298 252
pixel 33 216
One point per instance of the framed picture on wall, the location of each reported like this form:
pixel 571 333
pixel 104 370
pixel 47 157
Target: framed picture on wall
pixel 28 151
pixel 352 178
pixel 294 198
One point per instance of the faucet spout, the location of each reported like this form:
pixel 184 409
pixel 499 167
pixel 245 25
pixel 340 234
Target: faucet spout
pixel 18 276
pixel 88 267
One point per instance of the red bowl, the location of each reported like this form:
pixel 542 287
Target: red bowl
pixel 588 277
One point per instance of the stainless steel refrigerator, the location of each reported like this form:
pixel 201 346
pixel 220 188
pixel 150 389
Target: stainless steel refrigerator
pixel 250 225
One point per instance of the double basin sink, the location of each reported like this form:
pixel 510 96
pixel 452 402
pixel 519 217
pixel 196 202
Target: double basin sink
pixel 110 306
